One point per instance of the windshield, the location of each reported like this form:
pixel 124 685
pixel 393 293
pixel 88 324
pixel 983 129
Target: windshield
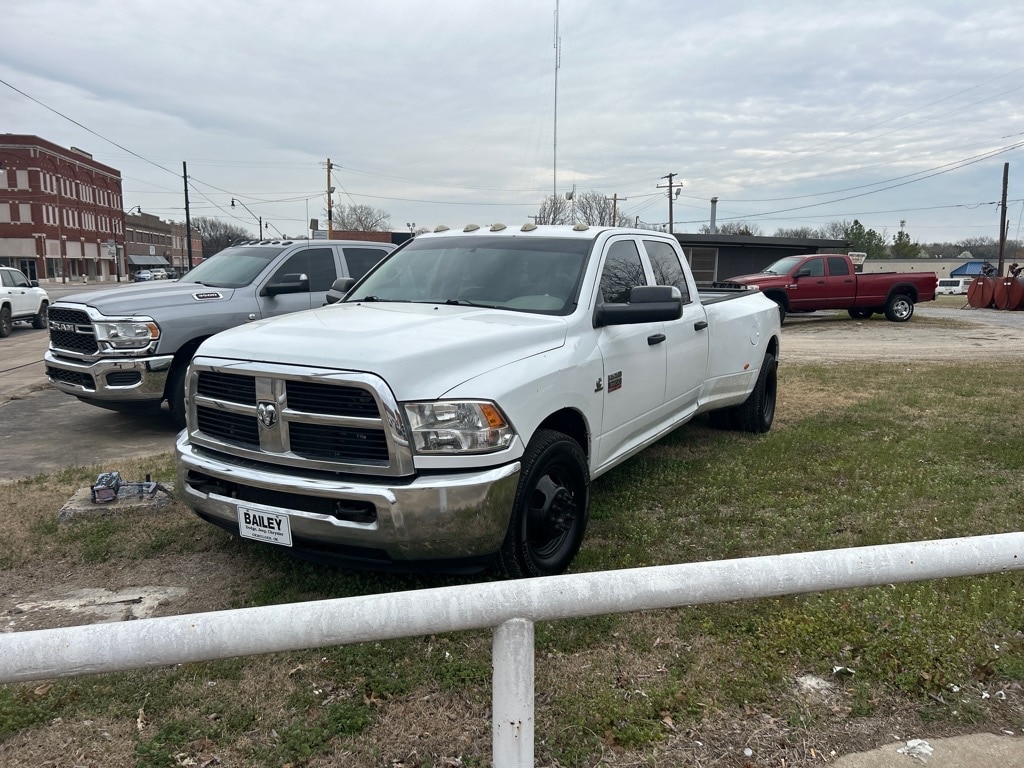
pixel 530 274
pixel 782 266
pixel 232 267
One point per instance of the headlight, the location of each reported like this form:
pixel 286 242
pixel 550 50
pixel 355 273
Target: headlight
pixel 126 334
pixel 467 426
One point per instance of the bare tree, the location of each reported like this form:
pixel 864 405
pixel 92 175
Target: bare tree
pixel 218 235
pixel 591 208
pixel 361 218
pixel 734 228
pixel 803 233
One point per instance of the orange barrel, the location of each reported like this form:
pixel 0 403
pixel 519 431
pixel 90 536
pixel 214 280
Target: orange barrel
pixel 981 291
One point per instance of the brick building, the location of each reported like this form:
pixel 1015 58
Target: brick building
pixel 61 215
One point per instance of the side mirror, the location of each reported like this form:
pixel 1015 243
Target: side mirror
pixel 339 288
pixel 805 272
pixel 647 304
pixel 291 283
pixel 34 283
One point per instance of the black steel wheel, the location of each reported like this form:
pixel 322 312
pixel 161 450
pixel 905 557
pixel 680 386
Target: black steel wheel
pixel 757 412
pixel 6 322
pixel 549 516
pixel 860 314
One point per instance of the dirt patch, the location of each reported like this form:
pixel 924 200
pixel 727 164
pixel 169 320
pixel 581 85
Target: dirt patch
pixel 933 335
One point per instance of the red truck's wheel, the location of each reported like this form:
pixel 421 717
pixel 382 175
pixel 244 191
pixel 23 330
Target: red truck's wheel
pixel 549 516
pixel 860 314
pixel 899 308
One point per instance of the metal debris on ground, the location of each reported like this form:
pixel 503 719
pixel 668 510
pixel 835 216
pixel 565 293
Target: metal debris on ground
pixel 110 487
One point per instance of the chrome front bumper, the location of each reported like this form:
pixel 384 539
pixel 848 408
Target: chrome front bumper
pixel 427 520
pixel 110 379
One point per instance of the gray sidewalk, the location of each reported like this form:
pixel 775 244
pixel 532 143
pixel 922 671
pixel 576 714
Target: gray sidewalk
pixel 982 750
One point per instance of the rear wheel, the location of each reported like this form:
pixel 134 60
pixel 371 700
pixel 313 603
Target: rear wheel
pixel 757 412
pixel 39 318
pixel 860 314
pixel 549 516
pixel 6 322
pixel 899 308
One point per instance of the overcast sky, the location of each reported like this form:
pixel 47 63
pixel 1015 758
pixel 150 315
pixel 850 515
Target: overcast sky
pixel 792 113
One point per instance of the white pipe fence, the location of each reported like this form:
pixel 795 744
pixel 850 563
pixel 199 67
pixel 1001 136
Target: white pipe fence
pixel 510 608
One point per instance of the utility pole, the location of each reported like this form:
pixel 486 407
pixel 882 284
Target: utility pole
pixel 330 202
pixel 615 208
pixel 670 176
pixel 188 220
pixel 1002 218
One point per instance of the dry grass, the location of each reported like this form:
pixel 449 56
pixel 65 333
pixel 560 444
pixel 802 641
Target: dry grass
pixel 693 686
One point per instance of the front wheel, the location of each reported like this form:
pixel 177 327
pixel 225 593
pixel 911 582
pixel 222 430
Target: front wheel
pixel 39 318
pixel 549 516
pixel 899 308
pixel 176 392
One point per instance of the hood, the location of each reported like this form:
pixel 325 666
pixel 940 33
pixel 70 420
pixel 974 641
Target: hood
pixel 143 298
pixel 757 277
pixel 420 350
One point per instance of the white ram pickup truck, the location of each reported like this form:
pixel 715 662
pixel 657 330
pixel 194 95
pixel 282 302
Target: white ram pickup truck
pixel 451 410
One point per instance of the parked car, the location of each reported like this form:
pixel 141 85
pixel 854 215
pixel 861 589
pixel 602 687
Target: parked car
pixel 21 299
pixel 956 286
pixel 159 273
pixel 449 412
pixel 126 349
pixel 143 275
pixel 831 281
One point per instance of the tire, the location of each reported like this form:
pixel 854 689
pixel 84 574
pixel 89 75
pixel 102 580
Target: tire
pixel 6 322
pixel 860 314
pixel 782 308
pixel 899 308
pixel 757 412
pixel 39 318
pixel 175 392
pixel 549 516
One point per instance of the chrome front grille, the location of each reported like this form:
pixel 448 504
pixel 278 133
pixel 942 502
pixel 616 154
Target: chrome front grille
pixel 298 417
pixel 71 330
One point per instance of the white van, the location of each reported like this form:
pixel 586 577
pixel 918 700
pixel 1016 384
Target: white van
pixel 953 285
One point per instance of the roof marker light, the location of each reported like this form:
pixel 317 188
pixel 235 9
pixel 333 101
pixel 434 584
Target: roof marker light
pixel 581 227
pixel 497 227
pixel 440 228
pixel 471 228
pixel 528 227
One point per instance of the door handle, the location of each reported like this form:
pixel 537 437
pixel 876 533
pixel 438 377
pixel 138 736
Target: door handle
pixel 657 338
pixel 700 325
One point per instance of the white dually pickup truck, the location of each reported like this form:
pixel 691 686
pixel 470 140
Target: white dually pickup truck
pixel 451 410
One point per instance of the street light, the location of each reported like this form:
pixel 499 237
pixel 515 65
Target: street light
pixel 259 235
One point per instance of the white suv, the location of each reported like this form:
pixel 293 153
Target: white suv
pixel 20 299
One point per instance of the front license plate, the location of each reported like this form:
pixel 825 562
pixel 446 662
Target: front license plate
pixel 265 526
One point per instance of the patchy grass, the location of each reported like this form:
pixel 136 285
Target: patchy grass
pixel 860 455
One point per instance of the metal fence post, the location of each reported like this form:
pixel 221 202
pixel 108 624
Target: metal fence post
pixel 512 694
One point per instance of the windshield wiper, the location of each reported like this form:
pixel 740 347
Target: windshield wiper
pixel 465 303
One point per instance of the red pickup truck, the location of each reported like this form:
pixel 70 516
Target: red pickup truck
pixel 829 281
